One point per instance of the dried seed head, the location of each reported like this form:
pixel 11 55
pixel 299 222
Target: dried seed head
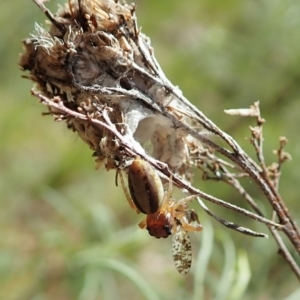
pixel 94 57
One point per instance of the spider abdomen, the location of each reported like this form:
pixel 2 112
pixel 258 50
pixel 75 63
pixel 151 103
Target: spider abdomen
pixel 145 186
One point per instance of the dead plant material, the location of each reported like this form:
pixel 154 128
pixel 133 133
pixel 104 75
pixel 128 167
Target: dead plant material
pixel 95 70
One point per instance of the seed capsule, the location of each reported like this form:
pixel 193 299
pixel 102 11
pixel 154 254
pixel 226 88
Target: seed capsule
pixel 145 186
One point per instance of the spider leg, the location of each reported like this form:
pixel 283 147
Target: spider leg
pixel 116 177
pixel 189 220
pixel 129 200
pixel 168 193
pixel 143 224
pixel 186 199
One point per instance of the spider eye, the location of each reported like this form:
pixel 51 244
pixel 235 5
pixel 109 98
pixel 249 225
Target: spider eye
pixel 167 229
pixel 159 226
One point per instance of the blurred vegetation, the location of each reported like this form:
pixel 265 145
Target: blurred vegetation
pixel 67 231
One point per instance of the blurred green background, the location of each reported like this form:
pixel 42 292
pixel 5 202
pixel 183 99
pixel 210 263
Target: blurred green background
pixel 66 230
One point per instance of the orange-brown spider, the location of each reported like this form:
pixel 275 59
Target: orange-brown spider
pixel 165 215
